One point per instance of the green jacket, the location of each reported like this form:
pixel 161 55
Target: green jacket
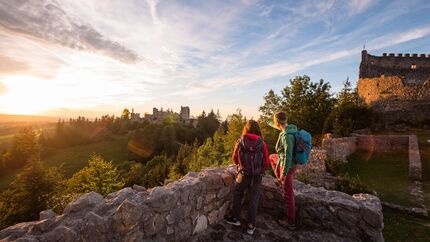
pixel 284 147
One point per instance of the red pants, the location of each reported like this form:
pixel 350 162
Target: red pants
pixel 286 187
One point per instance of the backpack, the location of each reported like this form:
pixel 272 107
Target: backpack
pixel 251 156
pixel 302 147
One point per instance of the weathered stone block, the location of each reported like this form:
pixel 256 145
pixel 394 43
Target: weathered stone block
pixel 84 203
pixel 201 224
pixel 47 214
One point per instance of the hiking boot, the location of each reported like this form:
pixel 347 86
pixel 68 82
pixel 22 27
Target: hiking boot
pixel 232 220
pixel 284 223
pixel 250 229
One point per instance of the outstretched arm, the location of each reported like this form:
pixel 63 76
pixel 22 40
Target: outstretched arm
pixel 272 124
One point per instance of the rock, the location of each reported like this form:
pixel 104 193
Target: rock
pixel 95 228
pixel 223 192
pixel 371 210
pixel 126 217
pixel 177 214
pixel 139 188
pixel 84 203
pixel 42 226
pixel 154 224
pixel 201 224
pixel 170 230
pixel 184 230
pixel 63 234
pixel 209 198
pixel 161 199
pixel 199 203
pixel 47 214
pixel 213 217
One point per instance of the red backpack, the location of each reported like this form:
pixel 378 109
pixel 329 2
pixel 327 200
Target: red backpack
pixel 251 156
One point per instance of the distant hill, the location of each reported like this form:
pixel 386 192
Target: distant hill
pixel 13 118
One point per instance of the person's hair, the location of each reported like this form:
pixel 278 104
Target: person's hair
pixel 251 127
pixel 280 118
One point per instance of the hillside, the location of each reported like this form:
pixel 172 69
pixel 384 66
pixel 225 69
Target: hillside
pixel 14 118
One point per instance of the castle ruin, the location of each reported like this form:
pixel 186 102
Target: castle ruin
pixel 397 86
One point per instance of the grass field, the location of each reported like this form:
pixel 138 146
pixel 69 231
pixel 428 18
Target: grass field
pixel 403 227
pixel 385 173
pixel 75 158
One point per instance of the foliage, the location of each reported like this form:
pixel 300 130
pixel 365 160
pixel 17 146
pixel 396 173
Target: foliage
pixel 180 167
pixel 100 176
pixel 306 103
pixel 349 114
pixel 24 147
pixel 156 171
pixel 344 119
pixel 235 127
pixel 351 184
pixel 207 125
pixel 33 190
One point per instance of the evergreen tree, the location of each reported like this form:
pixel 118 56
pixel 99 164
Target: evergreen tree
pixel 24 147
pixel 33 190
pixel 100 176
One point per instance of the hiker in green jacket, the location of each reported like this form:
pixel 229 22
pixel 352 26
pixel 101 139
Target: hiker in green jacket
pixel 284 166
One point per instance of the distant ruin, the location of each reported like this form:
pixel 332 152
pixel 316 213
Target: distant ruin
pixel 396 86
pixel 159 115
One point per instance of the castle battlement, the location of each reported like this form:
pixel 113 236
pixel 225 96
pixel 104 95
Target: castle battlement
pixel 409 66
pixel 405 55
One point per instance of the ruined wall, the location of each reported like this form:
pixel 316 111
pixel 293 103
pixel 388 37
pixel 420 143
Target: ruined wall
pixel 382 143
pixel 339 148
pixel 178 210
pixel 397 92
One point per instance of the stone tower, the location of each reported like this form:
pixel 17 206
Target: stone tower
pixel 396 86
pixel 185 113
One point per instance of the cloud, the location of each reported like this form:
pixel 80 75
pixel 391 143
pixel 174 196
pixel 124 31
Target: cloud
pixel 48 21
pixel 3 89
pixel 359 6
pixel 10 66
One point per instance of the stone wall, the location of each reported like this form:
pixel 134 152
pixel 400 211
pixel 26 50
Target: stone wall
pixel 357 217
pixel 339 148
pixel 314 172
pixel 178 210
pixel 415 169
pixel 382 143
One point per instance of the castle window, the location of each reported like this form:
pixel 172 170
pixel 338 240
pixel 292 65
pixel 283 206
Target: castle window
pixel 414 66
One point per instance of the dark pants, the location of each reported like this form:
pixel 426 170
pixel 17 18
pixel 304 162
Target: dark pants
pixel 253 185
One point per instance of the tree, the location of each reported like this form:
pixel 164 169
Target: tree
pixel 180 167
pixel 168 140
pixel 125 114
pixel 100 176
pixel 33 190
pixel 307 104
pixel 271 106
pixel 347 95
pixel 134 175
pixel 235 127
pixel 156 171
pixel 24 147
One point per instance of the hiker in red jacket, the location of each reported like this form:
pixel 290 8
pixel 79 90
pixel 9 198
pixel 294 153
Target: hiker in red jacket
pixel 251 158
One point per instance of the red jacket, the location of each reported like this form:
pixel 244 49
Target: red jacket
pixel 266 152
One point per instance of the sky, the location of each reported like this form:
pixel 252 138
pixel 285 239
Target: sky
pixel 91 57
